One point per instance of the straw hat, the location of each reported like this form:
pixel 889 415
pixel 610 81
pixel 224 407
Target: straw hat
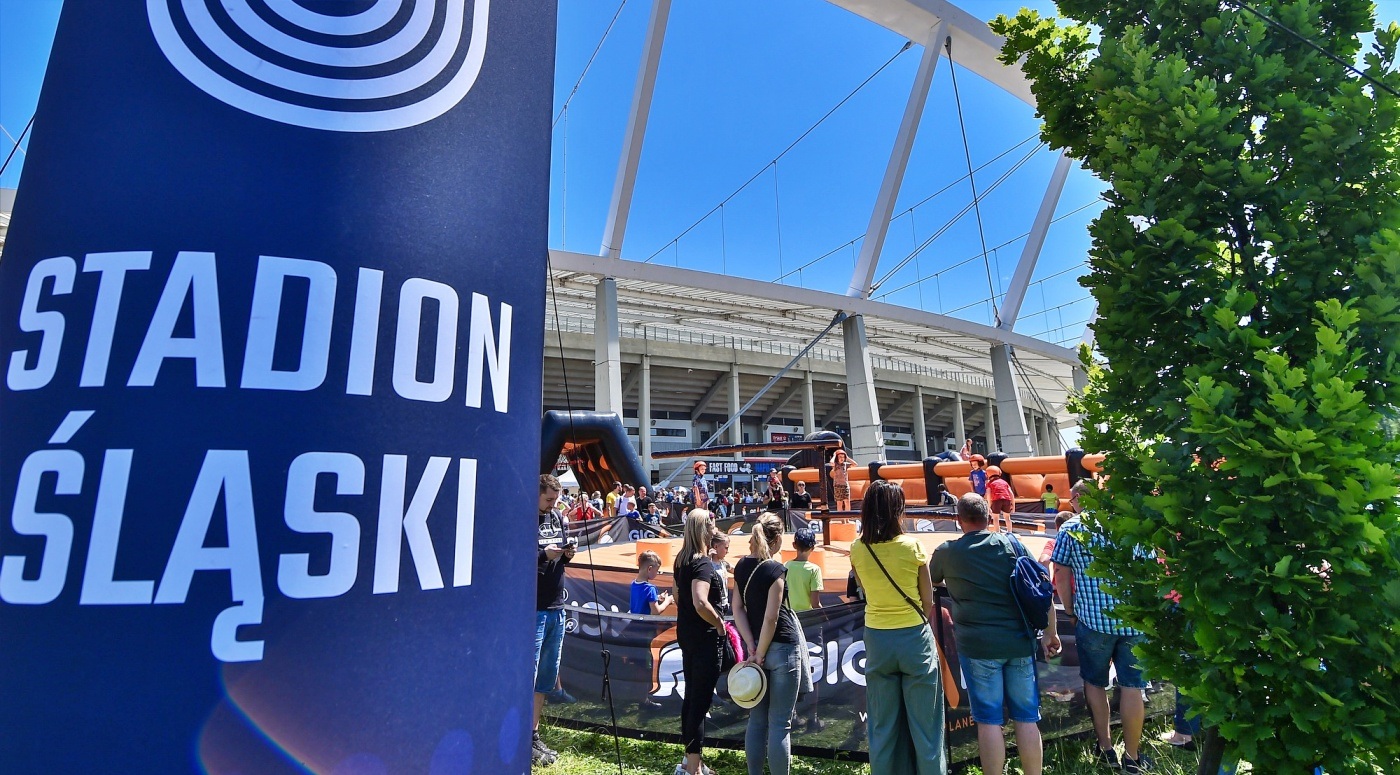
pixel 747 684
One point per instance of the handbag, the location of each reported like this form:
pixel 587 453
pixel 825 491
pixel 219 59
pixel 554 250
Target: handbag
pixel 733 647
pixel 804 659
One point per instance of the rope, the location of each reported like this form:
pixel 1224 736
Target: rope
pixel 604 653
pixel 778 215
pixel 785 151
pixel 972 181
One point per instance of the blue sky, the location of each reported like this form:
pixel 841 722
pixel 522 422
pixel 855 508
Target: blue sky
pixel 739 82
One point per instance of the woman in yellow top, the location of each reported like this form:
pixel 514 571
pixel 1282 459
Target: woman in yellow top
pixel 902 679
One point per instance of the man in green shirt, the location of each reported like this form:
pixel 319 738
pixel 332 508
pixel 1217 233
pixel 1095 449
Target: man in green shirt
pixel 995 647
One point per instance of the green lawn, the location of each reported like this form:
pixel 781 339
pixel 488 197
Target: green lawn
pixel 582 753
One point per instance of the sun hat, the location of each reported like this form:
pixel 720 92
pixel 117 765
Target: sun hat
pixel 747 684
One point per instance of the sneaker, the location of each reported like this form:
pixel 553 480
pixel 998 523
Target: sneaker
pixel 536 744
pixel 1138 765
pixel 561 697
pixel 540 758
pixel 1109 757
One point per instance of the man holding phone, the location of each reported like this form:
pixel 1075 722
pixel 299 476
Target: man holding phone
pixel 555 551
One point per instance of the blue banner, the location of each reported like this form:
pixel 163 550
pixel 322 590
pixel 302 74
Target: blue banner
pixel 271 317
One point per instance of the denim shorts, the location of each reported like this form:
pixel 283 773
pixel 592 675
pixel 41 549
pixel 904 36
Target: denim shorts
pixel 549 646
pixel 1097 650
pixel 997 688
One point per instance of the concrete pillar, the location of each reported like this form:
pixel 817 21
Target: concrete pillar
pixel 867 441
pixel 736 431
pixel 920 430
pixel 644 415
pixel 1015 439
pixel 809 405
pixel 959 425
pixel 607 344
pixel 1033 432
pixel 992 444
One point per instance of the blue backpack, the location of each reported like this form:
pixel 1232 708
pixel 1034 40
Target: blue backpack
pixel 1031 586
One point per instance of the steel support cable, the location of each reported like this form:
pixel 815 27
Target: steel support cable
pixel 908 211
pixel 972 180
pixel 970 207
pixel 784 152
pixel 15 147
pixel 603 653
pixel 1015 239
pixel 1315 46
pixel 589 64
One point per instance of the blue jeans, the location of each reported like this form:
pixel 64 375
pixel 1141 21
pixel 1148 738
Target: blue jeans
pixel 770 721
pixel 904 693
pixel 1098 649
pixel 997 688
pixel 1187 723
pixel 549 646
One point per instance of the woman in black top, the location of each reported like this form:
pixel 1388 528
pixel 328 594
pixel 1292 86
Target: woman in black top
pixel 769 628
pixel 699 633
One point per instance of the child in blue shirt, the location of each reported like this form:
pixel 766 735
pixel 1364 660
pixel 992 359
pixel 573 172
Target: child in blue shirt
pixel 978 477
pixel 645 598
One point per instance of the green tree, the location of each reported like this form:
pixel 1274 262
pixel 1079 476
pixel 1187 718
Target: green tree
pixel 1247 275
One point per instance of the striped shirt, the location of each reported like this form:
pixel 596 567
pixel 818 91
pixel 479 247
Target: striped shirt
pixel 1074 550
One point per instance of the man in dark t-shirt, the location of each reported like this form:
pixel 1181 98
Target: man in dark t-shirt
pixel 995 646
pixel 554 553
pixel 800 498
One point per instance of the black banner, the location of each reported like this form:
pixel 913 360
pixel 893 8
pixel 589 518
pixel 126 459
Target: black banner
pixel 648 685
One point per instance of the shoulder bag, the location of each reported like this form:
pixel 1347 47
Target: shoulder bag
pixel 1031 587
pixel 804 684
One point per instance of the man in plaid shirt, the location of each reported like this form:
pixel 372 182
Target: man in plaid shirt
pixel 1102 640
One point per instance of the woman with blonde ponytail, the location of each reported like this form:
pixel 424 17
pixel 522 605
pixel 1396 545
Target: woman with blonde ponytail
pixel 769 628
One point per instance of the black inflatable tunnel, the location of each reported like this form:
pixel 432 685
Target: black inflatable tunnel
pixel 596 446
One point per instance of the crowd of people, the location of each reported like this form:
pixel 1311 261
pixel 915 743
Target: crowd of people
pixel 670 504
pixel 904 677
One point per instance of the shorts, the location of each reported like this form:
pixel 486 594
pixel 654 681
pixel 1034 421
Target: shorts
pixel 549 647
pixel 999 506
pixel 1001 688
pixel 1097 650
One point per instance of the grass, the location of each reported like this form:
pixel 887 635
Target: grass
pixel 583 753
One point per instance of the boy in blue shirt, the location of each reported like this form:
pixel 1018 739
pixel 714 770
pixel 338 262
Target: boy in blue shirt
pixel 645 598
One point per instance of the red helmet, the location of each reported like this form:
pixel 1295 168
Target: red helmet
pixel 976 459
pixel 993 471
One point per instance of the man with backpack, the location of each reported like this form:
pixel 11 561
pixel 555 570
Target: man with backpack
pixel 996 640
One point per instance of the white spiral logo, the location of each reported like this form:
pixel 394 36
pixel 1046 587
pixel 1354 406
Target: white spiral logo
pixel 372 66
